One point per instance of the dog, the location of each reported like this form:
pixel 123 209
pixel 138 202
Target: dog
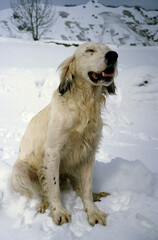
pixel 59 145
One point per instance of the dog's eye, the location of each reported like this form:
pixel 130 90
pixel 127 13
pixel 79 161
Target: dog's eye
pixel 89 51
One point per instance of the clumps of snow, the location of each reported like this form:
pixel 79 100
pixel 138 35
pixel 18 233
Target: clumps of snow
pixel 131 207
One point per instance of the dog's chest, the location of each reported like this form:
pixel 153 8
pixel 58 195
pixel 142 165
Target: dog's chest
pixel 81 146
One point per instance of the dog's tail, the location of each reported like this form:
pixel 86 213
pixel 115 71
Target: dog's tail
pixel 25 180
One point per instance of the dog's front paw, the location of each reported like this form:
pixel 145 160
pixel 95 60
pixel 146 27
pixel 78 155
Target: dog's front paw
pixel 60 215
pixel 96 217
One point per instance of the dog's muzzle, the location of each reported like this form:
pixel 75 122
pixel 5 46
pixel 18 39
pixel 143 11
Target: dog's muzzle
pixel 105 77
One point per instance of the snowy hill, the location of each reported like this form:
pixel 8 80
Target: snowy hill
pixel 94 22
pixel 126 165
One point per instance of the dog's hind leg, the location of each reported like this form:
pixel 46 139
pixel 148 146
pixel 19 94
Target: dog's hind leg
pixel 44 205
pixel 97 196
pixel 25 179
pixel 42 179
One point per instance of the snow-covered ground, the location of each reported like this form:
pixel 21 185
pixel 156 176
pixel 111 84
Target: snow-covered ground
pixel 126 165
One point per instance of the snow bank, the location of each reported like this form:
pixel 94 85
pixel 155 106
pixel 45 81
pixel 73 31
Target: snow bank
pixel 124 175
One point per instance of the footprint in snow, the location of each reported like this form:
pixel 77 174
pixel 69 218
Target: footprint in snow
pixel 147 223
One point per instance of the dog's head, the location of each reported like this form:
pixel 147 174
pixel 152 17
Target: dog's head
pixel 92 62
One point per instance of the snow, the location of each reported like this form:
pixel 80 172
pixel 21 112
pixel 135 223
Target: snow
pixel 126 165
pixel 93 21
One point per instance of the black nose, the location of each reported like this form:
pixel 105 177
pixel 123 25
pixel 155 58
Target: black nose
pixel 111 57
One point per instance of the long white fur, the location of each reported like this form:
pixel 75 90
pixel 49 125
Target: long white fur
pixel 60 142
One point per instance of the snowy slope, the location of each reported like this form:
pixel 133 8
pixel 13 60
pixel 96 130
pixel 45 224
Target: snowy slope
pixel 93 21
pixel 126 165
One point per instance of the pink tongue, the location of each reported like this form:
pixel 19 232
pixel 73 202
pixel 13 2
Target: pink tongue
pixel 108 74
pixel 94 75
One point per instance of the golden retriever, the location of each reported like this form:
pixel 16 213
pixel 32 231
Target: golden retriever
pixel 59 145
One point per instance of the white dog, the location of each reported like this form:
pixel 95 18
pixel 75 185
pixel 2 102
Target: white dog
pixel 59 145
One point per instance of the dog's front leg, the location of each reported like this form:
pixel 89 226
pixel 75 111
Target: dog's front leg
pixel 52 163
pixel 94 214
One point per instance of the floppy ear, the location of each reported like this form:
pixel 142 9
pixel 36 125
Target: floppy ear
pixel 67 72
pixel 111 89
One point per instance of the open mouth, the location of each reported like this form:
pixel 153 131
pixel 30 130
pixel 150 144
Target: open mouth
pixel 105 76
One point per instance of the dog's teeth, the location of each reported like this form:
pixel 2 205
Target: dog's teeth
pixel 103 74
